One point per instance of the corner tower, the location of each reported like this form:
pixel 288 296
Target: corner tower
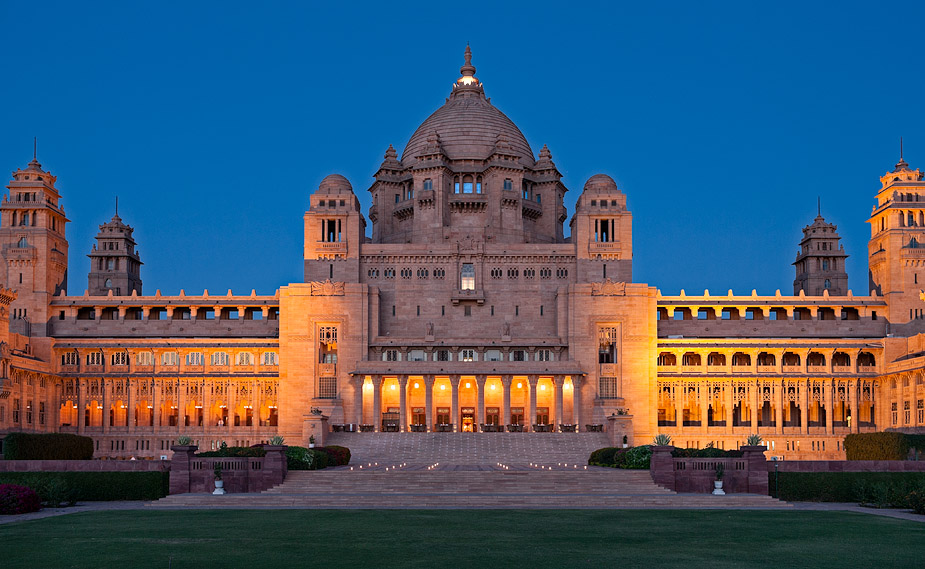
pixel 896 250
pixel 33 246
pixel 820 263
pixel 114 262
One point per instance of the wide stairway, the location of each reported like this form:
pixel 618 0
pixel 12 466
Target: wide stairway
pixel 461 470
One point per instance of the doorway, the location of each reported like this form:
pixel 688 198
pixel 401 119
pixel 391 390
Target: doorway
pixel 467 419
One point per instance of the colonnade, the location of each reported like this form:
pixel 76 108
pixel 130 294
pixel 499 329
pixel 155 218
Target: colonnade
pixel 531 402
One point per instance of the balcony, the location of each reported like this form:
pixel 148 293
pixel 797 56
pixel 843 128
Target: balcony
pixel 339 247
pixel 609 370
pixel 741 369
pixel 691 369
pixel 327 370
pixel 817 369
pixel 792 369
pixel 841 369
pixel 460 295
pixel 612 247
pixel 867 369
pixel 531 210
pixel 767 369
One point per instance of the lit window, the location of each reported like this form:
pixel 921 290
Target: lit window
pixel 468 356
pixel 467 277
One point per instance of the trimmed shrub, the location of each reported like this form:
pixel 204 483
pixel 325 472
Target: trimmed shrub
pixel 301 458
pixel 916 500
pixel 638 458
pixel 337 455
pixel 882 446
pixel 55 488
pixel 15 499
pixel 238 452
pixel 881 489
pixel 602 456
pixel 52 446
pixel 709 452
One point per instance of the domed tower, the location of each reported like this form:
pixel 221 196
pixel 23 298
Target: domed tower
pixel 602 230
pixel 820 263
pixel 467 172
pixel 334 230
pixel 115 265
pixel 897 246
pixel 34 247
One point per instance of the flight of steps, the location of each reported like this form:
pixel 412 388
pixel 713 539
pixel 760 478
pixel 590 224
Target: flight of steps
pixel 496 486
pixel 470 448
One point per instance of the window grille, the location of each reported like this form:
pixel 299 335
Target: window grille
pixel 327 387
pixel 609 387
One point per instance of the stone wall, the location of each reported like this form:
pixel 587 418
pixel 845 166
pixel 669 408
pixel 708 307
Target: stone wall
pixel 745 474
pixel 84 465
pixel 191 473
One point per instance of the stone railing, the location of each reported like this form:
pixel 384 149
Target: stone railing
pixel 84 465
pixel 192 473
pixel 747 474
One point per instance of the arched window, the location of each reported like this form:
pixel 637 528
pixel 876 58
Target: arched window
pixel 24 220
pixel 467 277
pixel 478 185
pixel 467 185
pixel 108 283
pixel 110 264
pixel 23 242
pixel 828 284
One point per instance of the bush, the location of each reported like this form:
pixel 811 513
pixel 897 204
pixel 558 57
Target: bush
pixel 52 446
pixel 55 488
pixel 882 446
pixel 916 500
pixel 602 456
pixel 15 499
pixel 301 458
pixel 239 452
pixel 638 458
pixel 337 455
pixel 881 489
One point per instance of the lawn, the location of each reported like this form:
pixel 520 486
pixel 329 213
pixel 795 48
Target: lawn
pixel 455 538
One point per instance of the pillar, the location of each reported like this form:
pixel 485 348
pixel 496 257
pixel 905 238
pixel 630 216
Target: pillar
pixel 756 399
pixel 576 401
pixel 206 402
pixel 377 402
pixel 828 394
pixel 480 385
pixel 81 405
pixel 403 403
pixel 181 405
pixel 853 397
pixel 454 406
pixel 156 403
pixel 532 380
pixel 706 398
pixel 107 403
pixel 779 412
pixel 506 381
pixel 804 407
pixel 429 402
pixel 727 417
pixel 129 406
pixel 358 381
pixel 558 381
pixel 232 392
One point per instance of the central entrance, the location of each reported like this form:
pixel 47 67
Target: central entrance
pixel 467 421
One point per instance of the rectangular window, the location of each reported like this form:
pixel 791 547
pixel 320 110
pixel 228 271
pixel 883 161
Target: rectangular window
pixel 428 184
pixel 508 184
pixel 544 356
pixel 327 387
pixel 391 356
pixel 467 277
pixel 468 356
pixel 608 388
pixel 270 359
pixel 95 359
pixel 492 355
pixel 467 311
pixel 519 356
pixel 442 356
pixel 169 358
pixel 41 413
pixel 417 356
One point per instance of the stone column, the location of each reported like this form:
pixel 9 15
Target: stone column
pixel 232 391
pixel 558 382
pixel 506 381
pixel 706 398
pixel 532 380
pixel 206 402
pixel 358 382
pixel 81 404
pixel 804 407
pixel 377 403
pixel 129 406
pixel 779 412
pixel 853 398
pixel 403 403
pixel 429 402
pixel 576 400
pixel 454 406
pixel 480 385
pixel 756 400
pixel 730 405
pixel 181 405
pixel 107 403
pixel 827 389
pixel 156 403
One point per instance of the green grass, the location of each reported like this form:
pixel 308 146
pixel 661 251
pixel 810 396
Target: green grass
pixel 456 538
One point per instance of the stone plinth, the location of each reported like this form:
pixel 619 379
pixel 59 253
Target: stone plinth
pixel 317 426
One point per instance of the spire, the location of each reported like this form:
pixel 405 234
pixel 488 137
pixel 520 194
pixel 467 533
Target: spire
pixel 34 165
pixel 468 70
pixel 902 164
pixel 468 83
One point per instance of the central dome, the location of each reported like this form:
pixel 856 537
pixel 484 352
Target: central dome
pixel 468 126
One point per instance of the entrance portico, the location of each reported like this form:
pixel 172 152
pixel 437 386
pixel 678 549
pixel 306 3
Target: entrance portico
pixel 469 402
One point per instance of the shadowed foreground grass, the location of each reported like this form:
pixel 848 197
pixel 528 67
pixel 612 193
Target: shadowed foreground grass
pixel 455 538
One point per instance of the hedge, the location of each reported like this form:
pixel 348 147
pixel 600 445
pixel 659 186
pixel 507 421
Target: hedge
pixel 52 446
pixel 882 446
pixel 67 487
pixel 709 452
pixel 301 458
pixel 234 452
pixel 337 455
pixel 631 458
pixel 874 488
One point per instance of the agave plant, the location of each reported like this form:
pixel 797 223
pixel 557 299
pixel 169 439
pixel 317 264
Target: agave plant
pixel 277 440
pixel 184 440
pixel 661 440
pixel 753 440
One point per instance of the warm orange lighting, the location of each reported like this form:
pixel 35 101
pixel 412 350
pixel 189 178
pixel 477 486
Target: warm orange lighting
pixel 442 388
pixel 542 388
pixel 492 386
pixel 393 387
pixel 520 385
pixel 416 385
pixel 468 385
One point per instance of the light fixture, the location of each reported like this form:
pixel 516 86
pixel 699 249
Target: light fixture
pixel 442 388
pixel 393 387
pixel 416 385
pixel 542 388
pixel 520 385
pixel 468 385
pixel 492 386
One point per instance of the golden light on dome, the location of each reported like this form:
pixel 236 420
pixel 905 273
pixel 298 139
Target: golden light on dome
pixel 467 80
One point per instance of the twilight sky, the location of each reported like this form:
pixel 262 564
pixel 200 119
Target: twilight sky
pixel 213 122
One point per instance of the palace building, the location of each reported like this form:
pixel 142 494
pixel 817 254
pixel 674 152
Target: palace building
pixel 457 303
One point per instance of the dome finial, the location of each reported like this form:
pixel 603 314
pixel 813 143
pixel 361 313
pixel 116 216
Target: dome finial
pixel 467 70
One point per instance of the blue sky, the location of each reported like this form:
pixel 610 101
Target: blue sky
pixel 213 122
